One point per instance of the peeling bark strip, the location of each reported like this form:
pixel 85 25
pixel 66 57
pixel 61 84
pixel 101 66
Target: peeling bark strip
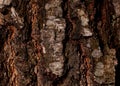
pixel 52 36
pixel 4 2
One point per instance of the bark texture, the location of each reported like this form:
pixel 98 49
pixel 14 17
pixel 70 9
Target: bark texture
pixel 59 42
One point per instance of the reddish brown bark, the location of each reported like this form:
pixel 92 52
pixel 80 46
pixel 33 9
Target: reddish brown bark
pixel 59 42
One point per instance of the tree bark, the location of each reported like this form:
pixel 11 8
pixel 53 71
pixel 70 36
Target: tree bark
pixel 59 42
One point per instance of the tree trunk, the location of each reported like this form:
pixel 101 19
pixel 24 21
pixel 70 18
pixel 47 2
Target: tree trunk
pixel 59 42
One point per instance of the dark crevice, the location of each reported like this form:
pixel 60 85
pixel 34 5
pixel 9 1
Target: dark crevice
pixel 97 18
pixel 4 11
pixel 28 26
pixel 100 34
pixel 3 36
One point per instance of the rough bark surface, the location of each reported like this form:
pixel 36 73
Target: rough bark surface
pixel 59 42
